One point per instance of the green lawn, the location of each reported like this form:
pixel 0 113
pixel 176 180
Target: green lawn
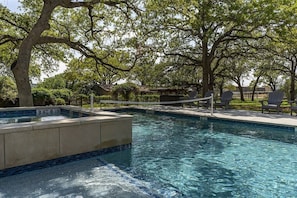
pixel 254 105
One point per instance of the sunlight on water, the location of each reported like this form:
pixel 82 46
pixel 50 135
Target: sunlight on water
pixel 196 158
pixel 175 157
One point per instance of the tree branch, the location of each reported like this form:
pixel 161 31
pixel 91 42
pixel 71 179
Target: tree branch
pixel 84 50
pixel 198 62
pixel 70 4
pixel 7 38
pixel 13 24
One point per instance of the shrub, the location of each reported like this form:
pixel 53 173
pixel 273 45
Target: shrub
pixel 103 97
pixel 125 90
pixel 42 96
pixel 80 99
pixel 8 90
pixel 149 98
pixel 64 94
pixel 60 101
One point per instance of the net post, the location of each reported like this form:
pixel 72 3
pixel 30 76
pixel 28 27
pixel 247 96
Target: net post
pixel 211 105
pixel 92 102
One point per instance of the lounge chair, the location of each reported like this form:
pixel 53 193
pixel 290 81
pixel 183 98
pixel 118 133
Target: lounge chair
pixel 192 94
pixel 274 101
pixel 205 103
pixel 293 106
pixel 225 100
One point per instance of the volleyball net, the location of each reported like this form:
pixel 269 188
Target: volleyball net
pixel 207 100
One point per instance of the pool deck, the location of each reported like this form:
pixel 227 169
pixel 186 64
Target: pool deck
pixel 271 118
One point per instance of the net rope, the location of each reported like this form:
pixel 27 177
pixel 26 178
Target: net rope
pixel 161 102
pixel 154 103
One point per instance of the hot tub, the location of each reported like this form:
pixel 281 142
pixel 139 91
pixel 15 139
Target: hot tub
pixel 31 140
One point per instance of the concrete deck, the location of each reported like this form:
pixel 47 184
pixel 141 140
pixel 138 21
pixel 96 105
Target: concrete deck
pixel 282 119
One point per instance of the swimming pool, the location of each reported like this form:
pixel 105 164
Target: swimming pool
pixel 176 156
pixel 189 157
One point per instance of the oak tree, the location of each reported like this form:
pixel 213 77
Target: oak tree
pixel 57 28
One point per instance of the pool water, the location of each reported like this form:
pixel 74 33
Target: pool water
pixel 193 158
pixel 22 119
pixel 15 115
pixel 174 156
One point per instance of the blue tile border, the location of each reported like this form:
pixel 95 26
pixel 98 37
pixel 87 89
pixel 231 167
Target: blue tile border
pixel 20 113
pixel 35 113
pixel 62 160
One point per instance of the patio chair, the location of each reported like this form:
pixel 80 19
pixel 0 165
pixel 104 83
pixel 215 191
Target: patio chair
pixel 293 106
pixel 274 101
pixel 225 100
pixel 192 94
pixel 205 103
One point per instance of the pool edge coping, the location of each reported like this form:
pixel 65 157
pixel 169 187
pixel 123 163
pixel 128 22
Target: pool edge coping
pixel 220 115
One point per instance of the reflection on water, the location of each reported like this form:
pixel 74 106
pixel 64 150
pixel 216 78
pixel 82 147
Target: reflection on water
pixel 198 158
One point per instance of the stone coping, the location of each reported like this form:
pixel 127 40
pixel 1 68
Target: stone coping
pixel 30 142
pixel 28 126
pixel 273 119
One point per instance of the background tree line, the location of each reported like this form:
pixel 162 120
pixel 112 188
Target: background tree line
pixel 207 44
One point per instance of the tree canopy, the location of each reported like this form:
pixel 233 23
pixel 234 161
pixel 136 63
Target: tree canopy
pixel 47 30
pixel 173 42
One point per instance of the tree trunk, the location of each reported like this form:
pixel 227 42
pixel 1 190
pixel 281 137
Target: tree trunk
pixel 240 91
pixel 21 75
pixel 204 80
pixel 20 68
pixel 255 86
pixel 211 80
pixel 272 84
pixel 221 87
pixel 205 68
pixel 292 87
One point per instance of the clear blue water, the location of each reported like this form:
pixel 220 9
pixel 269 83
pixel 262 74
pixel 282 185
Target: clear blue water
pixel 175 157
pixel 38 115
pixel 182 157
pixel 21 119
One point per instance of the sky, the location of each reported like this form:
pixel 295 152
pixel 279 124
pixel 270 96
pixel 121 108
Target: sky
pixel 11 4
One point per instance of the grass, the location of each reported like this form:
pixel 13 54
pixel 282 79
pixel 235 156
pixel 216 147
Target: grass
pixel 245 105
pixel 254 105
